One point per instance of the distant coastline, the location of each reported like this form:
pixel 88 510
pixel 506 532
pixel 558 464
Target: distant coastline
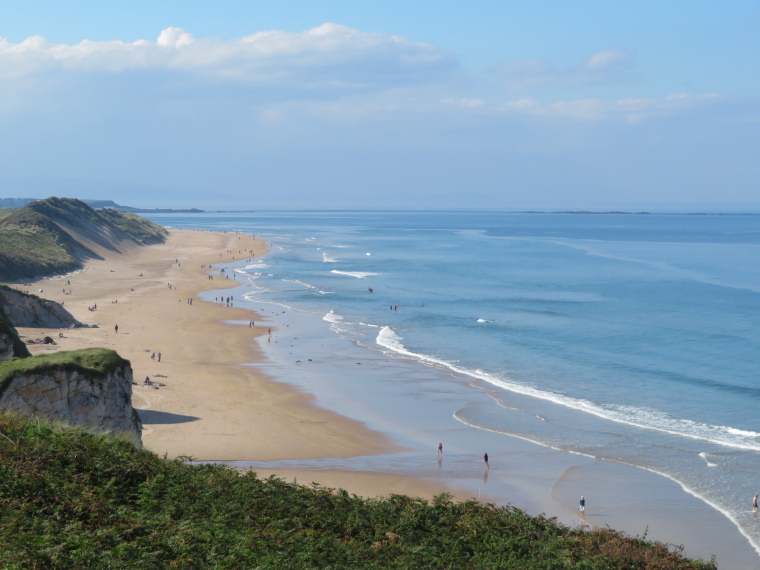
pixel 110 204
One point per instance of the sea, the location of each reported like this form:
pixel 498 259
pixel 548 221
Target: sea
pixel 633 338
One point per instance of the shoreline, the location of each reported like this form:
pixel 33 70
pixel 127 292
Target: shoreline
pixel 223 399
pixel 209 402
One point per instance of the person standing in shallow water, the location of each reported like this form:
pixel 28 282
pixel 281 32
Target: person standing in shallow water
pixel 583 505
pixel 485 460
pixel 440 449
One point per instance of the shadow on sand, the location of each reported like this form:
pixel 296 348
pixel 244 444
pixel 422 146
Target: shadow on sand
pixel 154 417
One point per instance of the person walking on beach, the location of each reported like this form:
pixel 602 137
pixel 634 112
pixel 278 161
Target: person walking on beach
pixel 159 356
pixel 583 505
pixel 485 460
pixel 116 328
pixel 754 504
pixel 440 449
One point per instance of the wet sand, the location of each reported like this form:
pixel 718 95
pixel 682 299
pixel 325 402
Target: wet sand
pixel 221 399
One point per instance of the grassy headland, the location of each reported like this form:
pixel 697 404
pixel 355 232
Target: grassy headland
pixel 70 499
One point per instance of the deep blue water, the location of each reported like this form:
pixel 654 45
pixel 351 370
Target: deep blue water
pixel 627 337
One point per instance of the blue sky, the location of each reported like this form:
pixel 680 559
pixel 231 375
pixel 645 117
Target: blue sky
pixel 243 105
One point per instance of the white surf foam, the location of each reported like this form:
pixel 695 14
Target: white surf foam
pixel 638 417
pixel 302 283
pixel 691 491
pixel 332 317
pixel 357 274
pixel 327 258
pixel 704 456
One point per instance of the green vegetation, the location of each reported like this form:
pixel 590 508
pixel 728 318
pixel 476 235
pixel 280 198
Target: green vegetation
pixel 93 362
pixel 136 226
pixel 33 242
pixel 66 210
pixel 70 499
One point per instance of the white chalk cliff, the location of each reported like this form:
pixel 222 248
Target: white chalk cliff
pixel 97 402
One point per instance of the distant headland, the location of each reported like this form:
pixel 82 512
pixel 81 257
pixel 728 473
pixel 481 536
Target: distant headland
pixel 99 204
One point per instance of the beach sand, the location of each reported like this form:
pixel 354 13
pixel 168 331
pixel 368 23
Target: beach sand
pixel 212 406
pixel 216 403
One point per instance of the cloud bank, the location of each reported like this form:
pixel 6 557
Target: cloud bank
pixel 329 54
pixel 340 110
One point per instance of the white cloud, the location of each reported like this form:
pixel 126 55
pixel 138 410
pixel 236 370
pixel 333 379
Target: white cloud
pixel 600 68
pixel 626 110
pixel 174 37
pixel 607 59
pixel 327 55
pixel 465 103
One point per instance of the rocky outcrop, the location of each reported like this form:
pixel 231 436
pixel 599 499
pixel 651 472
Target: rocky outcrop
pixel 74 393
pixel 25 310
pixel 11 346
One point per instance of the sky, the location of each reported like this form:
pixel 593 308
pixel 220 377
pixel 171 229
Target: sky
pixel 241 105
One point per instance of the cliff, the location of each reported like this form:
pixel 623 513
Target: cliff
pixel 89 388
pixel 11 346
pixel 25 310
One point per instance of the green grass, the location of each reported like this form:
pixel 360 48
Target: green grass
pixel 31 245
pixel 92 362
pixel 70 499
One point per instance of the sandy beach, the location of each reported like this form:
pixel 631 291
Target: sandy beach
pixel 213 398
pixel 210 405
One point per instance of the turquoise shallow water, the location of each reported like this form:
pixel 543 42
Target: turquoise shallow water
pixel 626 337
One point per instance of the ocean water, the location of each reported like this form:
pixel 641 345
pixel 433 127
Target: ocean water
pixel 632 338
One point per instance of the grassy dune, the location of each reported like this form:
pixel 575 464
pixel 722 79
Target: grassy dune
pixel 34 243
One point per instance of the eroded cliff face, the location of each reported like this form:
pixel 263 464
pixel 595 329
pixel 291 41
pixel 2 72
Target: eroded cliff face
pixel 98 403
pixel 29 311
pixel 11 345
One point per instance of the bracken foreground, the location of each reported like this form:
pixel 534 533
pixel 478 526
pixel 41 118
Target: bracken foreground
pixel 71 499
